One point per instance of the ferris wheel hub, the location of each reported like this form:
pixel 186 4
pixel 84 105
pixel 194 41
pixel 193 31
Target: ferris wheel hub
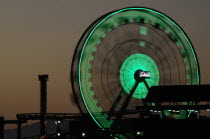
pixel 141 75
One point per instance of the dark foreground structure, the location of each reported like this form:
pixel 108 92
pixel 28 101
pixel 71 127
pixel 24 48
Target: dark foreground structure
pixel 154 124
pixel 151 123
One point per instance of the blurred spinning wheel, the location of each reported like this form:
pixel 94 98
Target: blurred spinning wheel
pixel 114 48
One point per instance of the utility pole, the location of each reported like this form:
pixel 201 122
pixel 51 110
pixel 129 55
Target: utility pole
pixel 43 105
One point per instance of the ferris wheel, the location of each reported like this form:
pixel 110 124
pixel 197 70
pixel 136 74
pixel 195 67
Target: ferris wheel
pixel 121 55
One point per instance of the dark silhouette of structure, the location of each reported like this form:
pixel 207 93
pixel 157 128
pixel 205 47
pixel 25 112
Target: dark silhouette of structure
pixel 43 105
pixel 18 122
pixel 59 117
pixel 178 97
pixel 150 124
pixel 1 127
pixel 179 93
pixel 191 98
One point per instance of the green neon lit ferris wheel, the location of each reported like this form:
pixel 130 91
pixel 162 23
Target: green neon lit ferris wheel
pixel 117 45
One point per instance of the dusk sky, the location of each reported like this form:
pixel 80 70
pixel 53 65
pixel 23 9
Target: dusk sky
pixel 39 37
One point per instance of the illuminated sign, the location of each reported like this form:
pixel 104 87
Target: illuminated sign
pixel 144 74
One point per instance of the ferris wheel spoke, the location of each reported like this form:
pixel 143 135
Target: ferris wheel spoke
pixel 127 100
pixel 116 103
pixel 146 84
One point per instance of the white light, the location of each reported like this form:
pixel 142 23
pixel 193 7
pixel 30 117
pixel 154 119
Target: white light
pixel 59 122
pixel 169 110
pixel 151 110
pixel 139 133
pixel 159 111
pixel 208 109
pixel 177 111
pixel 83 134
pixel 59 134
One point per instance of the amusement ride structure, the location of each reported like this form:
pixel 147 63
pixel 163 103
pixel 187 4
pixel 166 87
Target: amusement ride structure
pixel 132 62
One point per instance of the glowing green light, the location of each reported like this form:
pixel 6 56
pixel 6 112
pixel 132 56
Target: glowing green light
pixel 143 30
pixel 130 66
pixel 189 113
pixel 142 43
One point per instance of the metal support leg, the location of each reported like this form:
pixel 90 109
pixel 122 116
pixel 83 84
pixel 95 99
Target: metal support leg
pixel 125 104
pixel 115 104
